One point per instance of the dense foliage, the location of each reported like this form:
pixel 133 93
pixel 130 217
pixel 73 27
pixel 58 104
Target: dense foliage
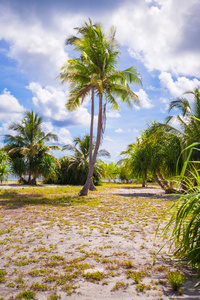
pixel 74 167
pixel 4 169
pixel 29 154
pixel 155 155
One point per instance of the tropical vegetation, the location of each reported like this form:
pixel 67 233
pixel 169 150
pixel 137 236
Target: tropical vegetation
pixel 154 155
pixel 74 167
pixel 167 155
pixel 4 168
pixel 28 150
pixel 94 71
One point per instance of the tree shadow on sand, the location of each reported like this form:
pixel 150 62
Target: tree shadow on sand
pixel 147 192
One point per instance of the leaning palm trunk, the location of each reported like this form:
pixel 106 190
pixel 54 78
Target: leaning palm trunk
pixel 92 186
pixel 84 190
pixel 158 181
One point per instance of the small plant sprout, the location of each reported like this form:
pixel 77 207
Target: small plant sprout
pixel 118 285
pixel 176 279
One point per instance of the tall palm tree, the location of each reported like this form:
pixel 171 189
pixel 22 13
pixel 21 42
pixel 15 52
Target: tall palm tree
pixel 95 71
pixel 27 148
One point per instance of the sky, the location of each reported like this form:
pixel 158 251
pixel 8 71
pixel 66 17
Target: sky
pixel 160 37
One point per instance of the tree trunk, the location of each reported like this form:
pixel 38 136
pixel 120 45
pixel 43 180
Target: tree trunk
pixel 91 186
pixel 164 184
pixel 164 181
pixel 84 190
pixel 158 181
pixel 143 179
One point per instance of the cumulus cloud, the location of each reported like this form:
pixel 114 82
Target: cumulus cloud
pixel 161 34
pixel 144 100
pixel 179 86
pixel 50 101
pixel 10 109
pixel 64 136
pixel 38 47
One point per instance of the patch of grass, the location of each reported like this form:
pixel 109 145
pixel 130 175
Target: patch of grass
pixel 135 275
pixel 141 287
pixel 2 276
pixel 40 272
pixel 40 287
pixel 53 297
pixel 176 279
pixel 41 249
pixel 94 276
pixel 127 264
pixel 20 282
pixel 10 284
pixel 161 268
pixel 28 295
pixel 118 285
pixel 69 288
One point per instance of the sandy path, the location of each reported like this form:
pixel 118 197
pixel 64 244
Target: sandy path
pixel 103 234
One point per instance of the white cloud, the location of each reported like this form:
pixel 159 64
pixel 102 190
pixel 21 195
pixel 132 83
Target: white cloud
pixel 37 47
pixel 10 109
pixel 119 130
pixel 64 136
pixel 144 99
pixel 50 101
pixel 179 86
pixel 164 35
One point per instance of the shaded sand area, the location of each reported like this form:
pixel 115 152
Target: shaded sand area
pixel 103 246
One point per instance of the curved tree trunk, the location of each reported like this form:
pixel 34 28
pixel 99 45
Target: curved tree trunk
pixel 163 183
pixel 84 190
pixel 158 181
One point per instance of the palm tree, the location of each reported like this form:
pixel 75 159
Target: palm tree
pixel 189 117
pixel 189 132
pixel 79 160
pixel 112 171
pixel 155 153
pixel 27 149
pixel 95 71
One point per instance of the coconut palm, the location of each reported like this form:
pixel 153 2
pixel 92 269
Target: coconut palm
pixel 155 153
pixel 79 160
pixel 188 120
pixel 189 128
pixel 27 149
pixel 95 71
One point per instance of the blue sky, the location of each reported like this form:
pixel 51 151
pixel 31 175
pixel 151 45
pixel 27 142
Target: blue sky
pixel 160 37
